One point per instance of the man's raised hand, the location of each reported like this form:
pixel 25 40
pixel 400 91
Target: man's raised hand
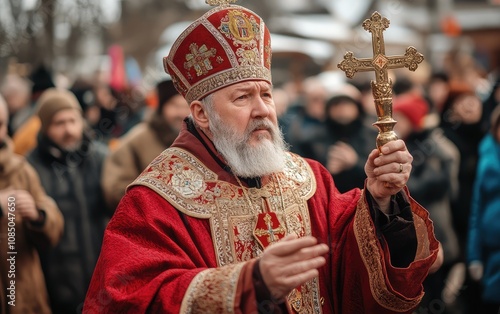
pixel 291 262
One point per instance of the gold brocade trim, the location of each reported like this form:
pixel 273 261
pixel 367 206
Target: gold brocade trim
pixel 369 250
pixel 193 189
pixel 212 291
pixel 423 243
pixel 226 78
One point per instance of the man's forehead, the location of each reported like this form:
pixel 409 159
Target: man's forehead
pixel 248 85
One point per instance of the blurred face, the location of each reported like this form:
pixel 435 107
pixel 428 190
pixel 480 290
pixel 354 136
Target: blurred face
pixel 66 129
pixel 105 98
pixel 467 109
pixel 344 113
pixel 315 102
pixel 16 100
pixel 174 111
pixel 244 129
pixel 404 127
pixel 281 101
pixel 438 92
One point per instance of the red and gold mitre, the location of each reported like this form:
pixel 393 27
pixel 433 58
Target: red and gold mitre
pixel 227 45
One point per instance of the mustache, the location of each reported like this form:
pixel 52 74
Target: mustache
pixel 259 125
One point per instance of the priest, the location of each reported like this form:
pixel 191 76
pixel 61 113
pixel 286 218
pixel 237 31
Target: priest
pixel 227 220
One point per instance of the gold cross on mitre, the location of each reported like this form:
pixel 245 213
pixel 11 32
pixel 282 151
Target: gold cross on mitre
pixel 215 3
pixel 380 63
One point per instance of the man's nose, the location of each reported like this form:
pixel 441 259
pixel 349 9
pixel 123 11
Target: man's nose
pixel 260 108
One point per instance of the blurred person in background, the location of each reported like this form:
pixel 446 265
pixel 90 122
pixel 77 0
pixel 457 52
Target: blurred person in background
pixel 344 143
pixel 460 121
pixel 42 79
pixel 490 103
pixel 17 94
pixel 282 101
pixel 25 137
pixel 483 249
pixel 438 89
pixel 144 142
pixel 38 228
pixel 306 121
pixel 70 164
pixel 114 112
pixel 83 89
pixel 367 101
pixel 434 171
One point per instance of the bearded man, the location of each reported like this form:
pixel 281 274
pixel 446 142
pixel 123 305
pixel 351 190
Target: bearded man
pixel 69 164
pixel 226 220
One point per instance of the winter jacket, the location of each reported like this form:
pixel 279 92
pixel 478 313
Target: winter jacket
pixel 21 273
pixel 72 179
pixel 134 153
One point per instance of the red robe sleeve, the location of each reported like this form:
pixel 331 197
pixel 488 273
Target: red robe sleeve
pixel 155 259
pixel 362 279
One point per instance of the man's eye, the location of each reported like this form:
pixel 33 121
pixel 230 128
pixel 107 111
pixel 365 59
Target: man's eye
pixel 242 97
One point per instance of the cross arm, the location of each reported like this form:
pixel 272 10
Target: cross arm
pixel 411 59
pixel 350 65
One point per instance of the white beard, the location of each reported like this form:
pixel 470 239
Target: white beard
pixel 245 160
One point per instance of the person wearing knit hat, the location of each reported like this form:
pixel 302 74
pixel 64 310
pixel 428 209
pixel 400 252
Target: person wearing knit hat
pixel 410 111
pixel 70 164
pixel 51 102
pixel 165 90
pixel 138 147
pixel 172 107
pixel 227 220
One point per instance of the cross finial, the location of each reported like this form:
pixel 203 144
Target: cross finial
pixel 380 63
pixel 215 3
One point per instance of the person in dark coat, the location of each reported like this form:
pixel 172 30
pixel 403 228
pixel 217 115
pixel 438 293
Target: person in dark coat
pixel 433 173
pixel 303 122
pixel 69 164
pixel 344 142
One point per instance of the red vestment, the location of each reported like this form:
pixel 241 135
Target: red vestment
pixel 186 236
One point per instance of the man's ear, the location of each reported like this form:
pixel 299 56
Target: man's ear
pixel 199 114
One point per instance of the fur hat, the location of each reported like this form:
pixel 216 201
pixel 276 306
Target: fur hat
pixel 52 101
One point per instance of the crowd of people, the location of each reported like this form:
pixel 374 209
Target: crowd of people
pixel 68 153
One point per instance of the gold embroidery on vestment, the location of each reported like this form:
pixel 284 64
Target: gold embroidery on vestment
pixel 186 183
pixel 369 250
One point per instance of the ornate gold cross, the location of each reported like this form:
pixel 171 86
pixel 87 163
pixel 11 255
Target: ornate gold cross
pixel 380 63
pixel 199 58
pixel 270 232
pixel 219 2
